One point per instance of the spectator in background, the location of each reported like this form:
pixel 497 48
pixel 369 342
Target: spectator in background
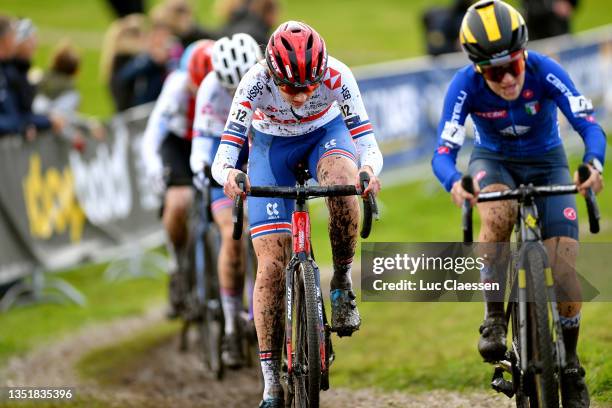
pixel 10 122
pixel 56 90
pixel 26 42
pixel 254 17
pixel 548 18
pixel 123 40
pixel 442 26
pixel 145 73
pixel 124 8
pixel 182 21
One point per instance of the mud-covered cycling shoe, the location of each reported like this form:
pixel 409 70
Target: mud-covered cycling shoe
pixel 574 392
pixel 492 343
pixel 345 316
pixel 231 354
pixel 272 403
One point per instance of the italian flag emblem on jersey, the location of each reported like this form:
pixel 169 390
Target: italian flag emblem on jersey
pixel 532 108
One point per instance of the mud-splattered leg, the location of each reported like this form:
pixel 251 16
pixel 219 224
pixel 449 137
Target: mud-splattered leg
pixel 343 217
pixel 562 253
pixel 268 306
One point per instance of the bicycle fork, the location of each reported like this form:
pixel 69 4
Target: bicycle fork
pixel 301 250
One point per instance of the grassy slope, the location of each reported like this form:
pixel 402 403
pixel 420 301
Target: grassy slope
pixel 26 327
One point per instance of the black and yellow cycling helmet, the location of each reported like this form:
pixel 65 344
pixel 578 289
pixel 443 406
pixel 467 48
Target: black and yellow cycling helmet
pixel 492 30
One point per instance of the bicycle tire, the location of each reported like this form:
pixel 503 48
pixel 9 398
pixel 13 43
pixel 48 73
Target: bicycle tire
pixel 520 396
pixel 211 324
pixel 545 386
pixel 307 385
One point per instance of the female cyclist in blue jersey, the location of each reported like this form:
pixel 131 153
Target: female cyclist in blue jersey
pixel 304 107
pixel 512 97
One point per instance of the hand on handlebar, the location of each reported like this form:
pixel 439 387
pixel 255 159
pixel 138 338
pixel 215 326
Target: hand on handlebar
pixel 594 182
pixel 231 188
pixel 373 184
pixel 459 195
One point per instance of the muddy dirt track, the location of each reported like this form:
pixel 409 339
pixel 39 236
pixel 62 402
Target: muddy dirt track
pixel 166 377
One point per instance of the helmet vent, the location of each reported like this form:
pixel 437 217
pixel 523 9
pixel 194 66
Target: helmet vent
pixel 309 43
pixel 286 44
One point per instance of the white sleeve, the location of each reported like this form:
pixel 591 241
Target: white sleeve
pixel 200 153
pixel 356 118
pixel 236 129
pixel 165 116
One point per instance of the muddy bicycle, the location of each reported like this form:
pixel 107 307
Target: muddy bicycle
pixel 537 354
pixel 307 361
pixel 203 308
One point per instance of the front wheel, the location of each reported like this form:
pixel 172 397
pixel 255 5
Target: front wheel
pixel 307 369
pixel 545 390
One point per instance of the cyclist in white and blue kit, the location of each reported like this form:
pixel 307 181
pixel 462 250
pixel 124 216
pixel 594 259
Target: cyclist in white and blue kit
pixel 231 59
pixel 303 106
pixel 512 96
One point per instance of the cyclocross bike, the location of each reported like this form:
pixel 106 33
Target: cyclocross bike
pixel 199 284
pixel 306 364
pixel 537 355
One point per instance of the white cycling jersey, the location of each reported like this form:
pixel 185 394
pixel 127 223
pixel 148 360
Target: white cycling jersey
pixel 258 102
pixel 213 103
pixel 168 116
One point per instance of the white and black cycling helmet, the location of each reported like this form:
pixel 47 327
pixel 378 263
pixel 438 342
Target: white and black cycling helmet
pixel 233 57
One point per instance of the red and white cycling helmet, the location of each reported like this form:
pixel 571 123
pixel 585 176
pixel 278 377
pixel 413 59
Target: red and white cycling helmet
pixel 200 61
pixel 296 55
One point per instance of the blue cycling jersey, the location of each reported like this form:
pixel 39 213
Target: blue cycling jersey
pixel 525 127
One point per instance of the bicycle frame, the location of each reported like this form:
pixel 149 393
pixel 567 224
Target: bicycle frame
pixel 537 311
pixel 529 238
pixel 301 251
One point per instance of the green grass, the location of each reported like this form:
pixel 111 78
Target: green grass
pixel 26 327
pixel 414 346
pixel 355 32
pixel 422 346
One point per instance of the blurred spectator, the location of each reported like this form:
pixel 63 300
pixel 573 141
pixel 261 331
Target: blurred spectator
pixel 10 122
pixel 123 40
pixel 254 17
pixel 26 42
pixel 146 72
pixel 57 94
pixel 123 8
pixel 182 21
pixel 442 26
pixel 56 90
pixel 548 18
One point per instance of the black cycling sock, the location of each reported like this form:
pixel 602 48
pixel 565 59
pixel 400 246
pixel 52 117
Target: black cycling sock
pixel 342 277
pixel 495 309
pixel 570 340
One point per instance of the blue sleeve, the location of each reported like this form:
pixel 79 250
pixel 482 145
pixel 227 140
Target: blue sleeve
pixel 41 122
pixel 577 109
pixel 10 124
pixel 451 131
pixel 140 65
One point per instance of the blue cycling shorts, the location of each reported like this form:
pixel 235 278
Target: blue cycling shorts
pixel 272 162
pixel 558 215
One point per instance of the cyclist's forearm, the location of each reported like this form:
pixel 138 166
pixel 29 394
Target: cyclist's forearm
pixel 444 167
pixel 369 153
pixel 594 144
pixel 225 160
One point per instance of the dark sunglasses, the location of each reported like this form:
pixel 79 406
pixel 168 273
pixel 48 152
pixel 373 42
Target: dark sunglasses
pixel 294 90
pixel 497 73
